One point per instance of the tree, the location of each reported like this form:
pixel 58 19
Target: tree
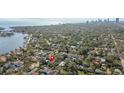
pixel 110 58
pixel 71 67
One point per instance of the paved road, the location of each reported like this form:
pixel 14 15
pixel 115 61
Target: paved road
pixel 119 54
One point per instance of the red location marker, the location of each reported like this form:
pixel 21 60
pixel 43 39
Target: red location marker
pixel 52 58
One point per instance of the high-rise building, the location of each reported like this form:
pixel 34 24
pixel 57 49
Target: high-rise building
pixel 108 20
pixel 117 20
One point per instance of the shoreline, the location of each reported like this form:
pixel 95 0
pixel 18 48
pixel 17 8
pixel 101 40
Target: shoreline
pixel 74 47
pixel 25 43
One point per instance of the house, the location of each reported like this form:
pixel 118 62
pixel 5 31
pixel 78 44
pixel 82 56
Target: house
pixel 3 59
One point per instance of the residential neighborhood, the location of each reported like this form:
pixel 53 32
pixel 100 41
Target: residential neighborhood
pixel 95 48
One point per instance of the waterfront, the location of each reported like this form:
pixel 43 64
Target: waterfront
pixel 10 43
pixel 76 49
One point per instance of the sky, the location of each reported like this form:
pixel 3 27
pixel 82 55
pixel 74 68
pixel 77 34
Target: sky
pixel 52 19
pixel 8 22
